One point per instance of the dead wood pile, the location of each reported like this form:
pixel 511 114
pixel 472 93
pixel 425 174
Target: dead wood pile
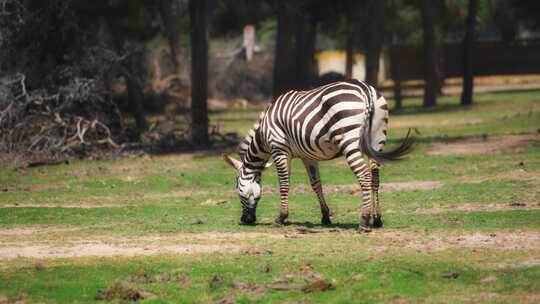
pixel 75 119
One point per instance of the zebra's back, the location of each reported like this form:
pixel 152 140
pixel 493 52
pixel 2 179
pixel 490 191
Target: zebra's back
pixel 316 124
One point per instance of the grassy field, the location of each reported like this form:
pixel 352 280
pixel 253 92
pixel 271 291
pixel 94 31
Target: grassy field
pixel 461 214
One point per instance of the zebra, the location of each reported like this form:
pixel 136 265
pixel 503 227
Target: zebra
pixel 347 118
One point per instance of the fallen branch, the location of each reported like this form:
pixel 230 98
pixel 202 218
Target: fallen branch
pixel 57 124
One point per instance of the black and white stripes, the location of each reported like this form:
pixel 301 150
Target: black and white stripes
pixel 344 118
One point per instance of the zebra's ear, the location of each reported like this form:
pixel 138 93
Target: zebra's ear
pixel 236 164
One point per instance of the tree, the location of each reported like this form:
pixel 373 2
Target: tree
pixel 199 72
pixel 395 62
pixel 294 60
pixel 352 12
pixel 169 15
pixel 349 43
pixel 504 16
pixel 306 66
pixel 431 64
pixel 132 71
pixel 528 13
pixel 375 38
pixel 468 49
pixel 128 25
pixel 285 53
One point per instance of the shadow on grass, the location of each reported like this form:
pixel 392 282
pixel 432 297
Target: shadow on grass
pixel 352 226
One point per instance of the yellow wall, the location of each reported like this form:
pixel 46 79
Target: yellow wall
pixel 334 61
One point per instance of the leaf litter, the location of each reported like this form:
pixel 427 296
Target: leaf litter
pixel 313 281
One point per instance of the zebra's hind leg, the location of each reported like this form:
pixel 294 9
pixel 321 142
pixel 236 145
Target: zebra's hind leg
pixel 377 216
pixel 282 164
pixel 360 168
pixel 312 168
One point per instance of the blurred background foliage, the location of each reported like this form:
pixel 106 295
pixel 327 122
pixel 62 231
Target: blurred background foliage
pixel 137 53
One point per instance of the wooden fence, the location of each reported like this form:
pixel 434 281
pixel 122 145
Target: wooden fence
pixel 490 58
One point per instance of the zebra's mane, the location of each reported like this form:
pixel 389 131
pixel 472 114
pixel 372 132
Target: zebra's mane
pixel 244 144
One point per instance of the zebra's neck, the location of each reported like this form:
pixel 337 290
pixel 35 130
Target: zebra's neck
pixel 253 150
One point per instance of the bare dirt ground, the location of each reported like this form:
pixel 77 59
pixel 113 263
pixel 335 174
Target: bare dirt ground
pixel 439 241
pixel 98 249
pixel 480 207
pixel 209 242
pixel 485 297
pixel 484 145
pixel 33 187
pixel 80 205
pixel 435 123
pixel 21 231
pixel 107 246
pixel 517 174
pixel 355 189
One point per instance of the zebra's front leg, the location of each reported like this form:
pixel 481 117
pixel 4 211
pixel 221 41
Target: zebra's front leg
pixel 313 171
pixel 281 160
pixel 377 216
pixel 360 168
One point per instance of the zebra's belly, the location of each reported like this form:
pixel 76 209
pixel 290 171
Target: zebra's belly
pixel 325 150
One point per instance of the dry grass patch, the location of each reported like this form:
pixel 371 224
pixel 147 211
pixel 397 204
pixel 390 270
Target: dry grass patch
pixel 172 194
pixel 34 187
pixel 480 207
pixel 40 230
pixel 100 249
pixel 484 145
pixel 416 123
pixel 517 174
pixel 107 245
pixel 354 189
pixel 485 297
pixel 81 205
pixel 433 242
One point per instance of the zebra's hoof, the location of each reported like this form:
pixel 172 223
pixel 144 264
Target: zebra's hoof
pixel 277 225
pixel 363 229
pixel 279 222
pixel 377 222
pixel 326 221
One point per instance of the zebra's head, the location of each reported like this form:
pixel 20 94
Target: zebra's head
pixel 249 190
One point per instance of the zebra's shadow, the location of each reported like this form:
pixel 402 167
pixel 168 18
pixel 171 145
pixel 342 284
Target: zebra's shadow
pixel 312 225
pixel 319 225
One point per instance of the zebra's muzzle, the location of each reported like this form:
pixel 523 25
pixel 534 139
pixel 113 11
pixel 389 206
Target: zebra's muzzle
pixel 248 216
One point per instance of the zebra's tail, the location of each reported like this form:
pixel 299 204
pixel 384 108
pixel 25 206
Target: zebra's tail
pixel 396 154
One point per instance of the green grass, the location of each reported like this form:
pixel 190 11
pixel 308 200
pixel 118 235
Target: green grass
pixel 358 277
pixel 181 200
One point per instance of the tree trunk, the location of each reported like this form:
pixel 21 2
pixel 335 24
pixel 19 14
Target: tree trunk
pixel 431 69
pixel 468 49
pixel 285 54
pixel 199 72
pixel 349 44
pixel 374 40
pixel 132 71
pixel 395 71
pixel 349 55
pixel 135 97
pixel 306 67
pixel 169 16
pixel 395 58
